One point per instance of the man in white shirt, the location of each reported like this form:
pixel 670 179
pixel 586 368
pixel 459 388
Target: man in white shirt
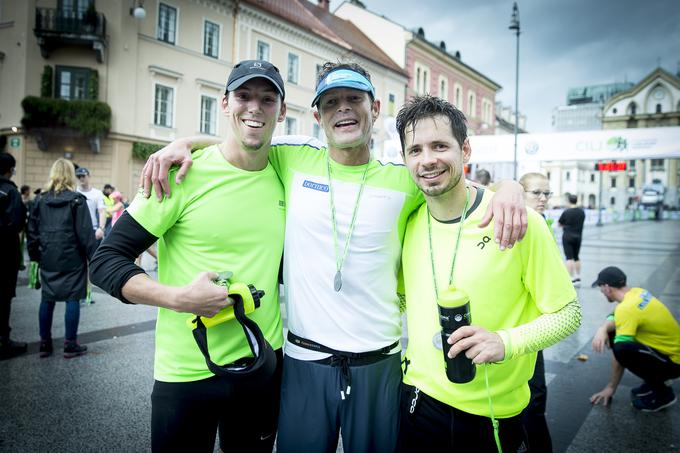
pixel 95 202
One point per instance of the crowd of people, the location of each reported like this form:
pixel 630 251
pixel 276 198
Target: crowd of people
pixel 60 228
pixel 363 243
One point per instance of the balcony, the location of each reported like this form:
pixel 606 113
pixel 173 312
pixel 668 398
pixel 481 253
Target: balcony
pixel 55 28
pixel 46 119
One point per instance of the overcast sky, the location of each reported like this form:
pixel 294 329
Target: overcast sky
pixel 563 43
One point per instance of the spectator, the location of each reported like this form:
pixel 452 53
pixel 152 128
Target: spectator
pixel 644 338
pixel 12 221
pixel 108 204
pixel 28 202
pixel 116 210
pixel 25 194
pixel 571 221
pixel 537 193
pixel 95 202
pixel 61 239
pixel 483 177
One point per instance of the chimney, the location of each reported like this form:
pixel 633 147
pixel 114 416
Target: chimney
pixel 324 4
pixel 442 46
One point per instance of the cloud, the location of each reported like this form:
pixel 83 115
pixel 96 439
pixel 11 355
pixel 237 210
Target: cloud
pixel 563 44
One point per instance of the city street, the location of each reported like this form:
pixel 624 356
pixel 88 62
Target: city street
pixel 100 402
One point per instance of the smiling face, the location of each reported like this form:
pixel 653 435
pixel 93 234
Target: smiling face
pixel 433 155
pixel 347 116
pixel 252 111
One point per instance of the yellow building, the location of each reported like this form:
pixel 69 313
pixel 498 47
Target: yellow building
pixel 160 68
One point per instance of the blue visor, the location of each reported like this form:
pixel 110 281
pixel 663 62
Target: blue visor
pixel 343 78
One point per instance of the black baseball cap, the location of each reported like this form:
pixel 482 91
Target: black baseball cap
pixel 612 276
pixel 82 171
pixel 251 69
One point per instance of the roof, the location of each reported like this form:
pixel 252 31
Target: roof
pixel 657 73
pixel 323 23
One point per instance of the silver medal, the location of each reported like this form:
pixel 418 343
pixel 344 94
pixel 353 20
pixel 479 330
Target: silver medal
pixel 337 281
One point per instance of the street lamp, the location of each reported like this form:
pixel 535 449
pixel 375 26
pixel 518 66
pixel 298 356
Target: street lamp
pixel 514 25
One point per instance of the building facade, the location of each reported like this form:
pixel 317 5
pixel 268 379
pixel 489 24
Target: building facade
pixel 652 102
pixel 431 68
pixel 583 111
pixel 145 79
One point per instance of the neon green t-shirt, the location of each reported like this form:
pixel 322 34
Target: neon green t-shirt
pixel 221 218
pixel 506 289
pixel 643 317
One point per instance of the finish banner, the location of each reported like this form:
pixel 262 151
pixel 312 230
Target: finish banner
pixel 607 144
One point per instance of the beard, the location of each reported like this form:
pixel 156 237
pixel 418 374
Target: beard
pixel 435 191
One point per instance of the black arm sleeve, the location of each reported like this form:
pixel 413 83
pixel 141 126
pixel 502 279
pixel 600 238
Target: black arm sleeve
pixel 113 263
pixel 33 232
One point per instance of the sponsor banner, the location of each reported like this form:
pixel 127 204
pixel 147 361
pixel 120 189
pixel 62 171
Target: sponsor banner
pixel 609 144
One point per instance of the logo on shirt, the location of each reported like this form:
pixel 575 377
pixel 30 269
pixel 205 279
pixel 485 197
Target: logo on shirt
pixel 646 298
pixel 315 186
pixel 485 240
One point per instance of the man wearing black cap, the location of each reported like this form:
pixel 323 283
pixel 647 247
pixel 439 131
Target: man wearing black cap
pixel 228 215
pixel 644 338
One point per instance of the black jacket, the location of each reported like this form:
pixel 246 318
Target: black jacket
pixel 61 239
pixel 12 220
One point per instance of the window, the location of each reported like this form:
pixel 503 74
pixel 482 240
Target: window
pixel 293 67
pixel 567 176
pixel 443 88
pixel 317 132
pixel 612 201
pixel 208 115
pixel 422 79
pixel 291 126
pixel 592 177
pixel 262 51
pixel 658 108
pixel 657 165
pixel 632 109
pixel 458 97
pixel 472 104
pixel 167 23
pixel 631 182
pixel 613 183
pixel 163 105
pixel 73 83
pixel 391 105
pixel 73 8
pixel 211 39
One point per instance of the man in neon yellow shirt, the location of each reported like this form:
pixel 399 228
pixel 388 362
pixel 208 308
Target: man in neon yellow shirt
pixel 644 338
pixel 521 300
pixel 228 215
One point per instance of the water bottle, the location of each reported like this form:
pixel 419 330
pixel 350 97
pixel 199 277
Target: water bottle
pixel 454 312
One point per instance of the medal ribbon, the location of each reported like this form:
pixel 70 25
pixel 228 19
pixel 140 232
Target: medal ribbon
pixel 340 260
pixel 455 251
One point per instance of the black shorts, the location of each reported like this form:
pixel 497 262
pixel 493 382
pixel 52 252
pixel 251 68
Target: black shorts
pixel 185 416
pixel 429 425
pixel 572 245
